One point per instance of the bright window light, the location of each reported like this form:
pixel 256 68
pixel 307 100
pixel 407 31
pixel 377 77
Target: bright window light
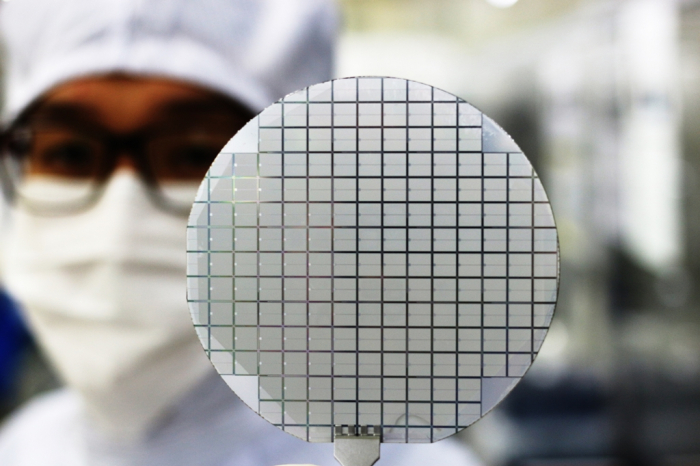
pixel 502 3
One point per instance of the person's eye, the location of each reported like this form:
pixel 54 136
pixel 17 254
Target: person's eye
pixel 185 158
pixel 194 158
pixel 199 154
pixel 63 156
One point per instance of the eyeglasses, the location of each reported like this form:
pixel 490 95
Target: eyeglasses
pixel 79 158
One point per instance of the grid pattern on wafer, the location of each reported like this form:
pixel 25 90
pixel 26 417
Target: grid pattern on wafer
pixel 372 251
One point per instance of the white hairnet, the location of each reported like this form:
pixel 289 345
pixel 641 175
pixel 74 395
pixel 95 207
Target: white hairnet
pixel 255 51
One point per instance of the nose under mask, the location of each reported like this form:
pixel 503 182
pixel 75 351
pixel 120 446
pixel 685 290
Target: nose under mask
pixel 104 291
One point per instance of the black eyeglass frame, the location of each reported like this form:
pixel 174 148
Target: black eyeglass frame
pixel 16 140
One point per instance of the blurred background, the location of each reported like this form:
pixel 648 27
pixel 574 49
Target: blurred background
pixel 604 98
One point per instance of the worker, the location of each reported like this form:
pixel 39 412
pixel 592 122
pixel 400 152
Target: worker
pixel 113 111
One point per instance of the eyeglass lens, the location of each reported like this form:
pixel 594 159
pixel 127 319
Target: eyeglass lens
pixel 71 154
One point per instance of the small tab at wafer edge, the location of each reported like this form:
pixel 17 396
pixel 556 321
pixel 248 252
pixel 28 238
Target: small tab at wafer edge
pixel 357 446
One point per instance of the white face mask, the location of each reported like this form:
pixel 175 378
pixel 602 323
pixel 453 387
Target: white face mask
pixel 104 291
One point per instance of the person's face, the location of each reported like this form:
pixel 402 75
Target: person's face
pixel 87 129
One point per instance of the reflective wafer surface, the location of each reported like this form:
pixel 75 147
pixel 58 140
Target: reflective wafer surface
pixel 372 251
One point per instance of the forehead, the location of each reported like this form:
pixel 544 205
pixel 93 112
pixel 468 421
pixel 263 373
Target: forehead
pixel 126 102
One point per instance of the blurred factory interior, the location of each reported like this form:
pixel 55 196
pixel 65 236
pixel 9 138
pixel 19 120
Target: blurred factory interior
pixel 603 96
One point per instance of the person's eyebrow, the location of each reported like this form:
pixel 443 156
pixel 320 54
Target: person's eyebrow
pixel 64 111
pixel 186 107
pixel 194 106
